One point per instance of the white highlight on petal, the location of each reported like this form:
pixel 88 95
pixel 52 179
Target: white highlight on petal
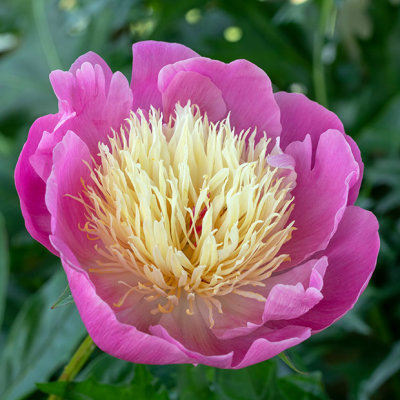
pixel 191 209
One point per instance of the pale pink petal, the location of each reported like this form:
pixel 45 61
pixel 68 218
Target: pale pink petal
pixel 216 360
pixel 293 293
pixel 148 59
pixel 110 335
pixel 91 105
pixel 42 159
pixel 192 334
pixel 352 255
pixel 30 187
pixel 288 295
pixel 194 337
pixel 192 331
pixel 246 90
pixel 321 193
pixel 130 307
pixel 238 353
pixel 241 315
pixel 354 190
pixel 93 58
pixel 265 343
pixel 96 102
pixel 199 90
pixel 300 117
pixel 67 213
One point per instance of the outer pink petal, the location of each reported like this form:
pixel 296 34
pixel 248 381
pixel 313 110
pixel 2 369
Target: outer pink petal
pixel 352 255
pixel 246 90
pixel 321 194
pixel 300 117
pixel 110 335
pixel 148 59
pixel 199 90
pixel 30 187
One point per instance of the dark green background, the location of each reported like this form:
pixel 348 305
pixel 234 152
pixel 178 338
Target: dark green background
pixel 345 54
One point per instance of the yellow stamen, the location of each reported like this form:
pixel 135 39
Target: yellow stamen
pixel 187 207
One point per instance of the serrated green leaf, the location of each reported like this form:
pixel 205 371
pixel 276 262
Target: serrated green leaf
pixel 41 340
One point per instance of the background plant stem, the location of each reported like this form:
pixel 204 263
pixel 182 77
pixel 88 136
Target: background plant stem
pixel 45 37
pixel 318 65
pixel 77 361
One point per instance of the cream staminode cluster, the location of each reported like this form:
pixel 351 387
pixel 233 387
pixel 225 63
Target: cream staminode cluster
pixel 191 209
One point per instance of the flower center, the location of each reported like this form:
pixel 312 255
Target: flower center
pixel 189 208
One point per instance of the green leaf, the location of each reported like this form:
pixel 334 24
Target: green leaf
pixel 40 341
pixel 255 382
pixel 141 388
pixel 302 387
pixel 380 135
pixel 4 266
pixel 107 369
pixel 195 382
pixel 386 369
pixel 282 356
pixel 64 299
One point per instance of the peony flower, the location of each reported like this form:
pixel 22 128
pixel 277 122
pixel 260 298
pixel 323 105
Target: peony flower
pixel 199 217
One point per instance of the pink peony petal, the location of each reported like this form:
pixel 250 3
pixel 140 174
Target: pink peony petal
pixel 246 90
pixel 42 159
pixel 192 331
pixel 241 316
pixel 93 58
pixel 97 103
pixel 332 252
pixel 265 343
pixel 67 214
pixel 352 255
pixel 196 340
pixel 30 187
pixel 199 90
pixel 148 59
pixel 295 292
pixel 240 352
pixel 288 295
pixel 300 117
pixel 110 335
pixel 214 360
pixel 321 193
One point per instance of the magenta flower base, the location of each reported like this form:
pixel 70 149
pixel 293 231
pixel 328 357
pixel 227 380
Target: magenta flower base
pixel 199 217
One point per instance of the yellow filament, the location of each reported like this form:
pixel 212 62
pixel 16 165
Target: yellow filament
pixel 189 208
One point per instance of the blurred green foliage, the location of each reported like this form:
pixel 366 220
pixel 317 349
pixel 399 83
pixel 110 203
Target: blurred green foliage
pixel 344 53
